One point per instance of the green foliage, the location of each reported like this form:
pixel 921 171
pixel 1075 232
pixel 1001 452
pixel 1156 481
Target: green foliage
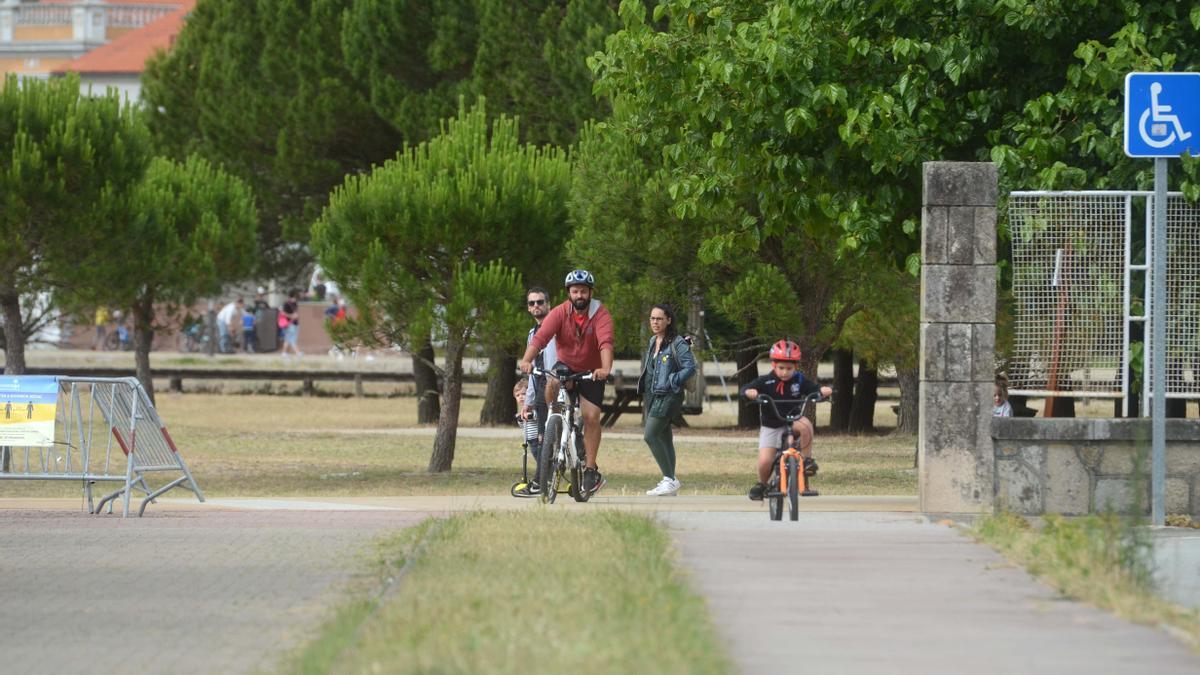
pixel 432 241
pixel 62 155
pixel 417 242
pixel 413 57
pixel 292 95
pixel 1068 134
pixel 64 159
pixel 887 331
pixel 626 233
pixel 191 228
pixel 261 88
pixel 531 61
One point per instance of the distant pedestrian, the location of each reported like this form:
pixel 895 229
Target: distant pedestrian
pixel 229 324
pixel 249 339
pixel 101 321
pixel 289 321
pixel 260 299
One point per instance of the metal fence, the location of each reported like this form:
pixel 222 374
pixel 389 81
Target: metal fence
pixel 1080 282
pixel 105 430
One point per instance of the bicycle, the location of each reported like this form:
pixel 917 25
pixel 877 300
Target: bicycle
pixel 118 339
pixel 564 431
pixel 787 479
pixel 193 338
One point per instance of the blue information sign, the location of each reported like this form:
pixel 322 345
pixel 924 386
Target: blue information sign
pixel 27 409
pixel 1162 114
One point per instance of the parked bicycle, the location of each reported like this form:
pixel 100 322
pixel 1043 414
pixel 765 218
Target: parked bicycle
pixel 118 339
pixel 788 479
pixel 562 456
pixel 193 338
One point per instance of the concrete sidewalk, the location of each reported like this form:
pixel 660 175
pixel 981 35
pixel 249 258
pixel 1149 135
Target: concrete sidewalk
pixel 890 593
pixel 185 591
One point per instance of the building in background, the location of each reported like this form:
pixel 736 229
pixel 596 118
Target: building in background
pixel 106 41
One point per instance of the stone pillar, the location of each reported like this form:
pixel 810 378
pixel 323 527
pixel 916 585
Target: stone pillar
pixel 958 336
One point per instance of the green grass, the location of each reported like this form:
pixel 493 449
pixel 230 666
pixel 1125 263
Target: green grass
pixel 300 446
pixel 601 595
pixel 1102 559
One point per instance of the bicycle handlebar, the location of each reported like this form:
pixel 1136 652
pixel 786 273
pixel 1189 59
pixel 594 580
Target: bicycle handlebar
pixel 814 397
pixel 569 377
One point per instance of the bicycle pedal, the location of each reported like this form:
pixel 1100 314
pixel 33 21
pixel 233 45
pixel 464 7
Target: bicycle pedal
pixel 811 493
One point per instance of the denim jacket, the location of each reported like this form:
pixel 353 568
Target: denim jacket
pixel 675 367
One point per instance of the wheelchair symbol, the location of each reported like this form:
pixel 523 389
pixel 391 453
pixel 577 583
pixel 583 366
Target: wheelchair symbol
pixel 1165 125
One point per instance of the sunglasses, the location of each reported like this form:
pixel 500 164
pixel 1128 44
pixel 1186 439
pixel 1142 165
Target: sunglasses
pixel 535 303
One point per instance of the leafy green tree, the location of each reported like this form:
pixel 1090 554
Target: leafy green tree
pixel 427 242
pixel 807 121
pixel 190 227
pixel 261 88
pixel 531 61
pixel 63 157
pixel 1068 133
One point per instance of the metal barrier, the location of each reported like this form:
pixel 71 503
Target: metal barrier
pixel 91 415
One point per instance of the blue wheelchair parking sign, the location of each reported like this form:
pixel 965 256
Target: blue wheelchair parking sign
pixel 1162 114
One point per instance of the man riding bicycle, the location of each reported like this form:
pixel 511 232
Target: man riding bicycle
pixel 582 330
pixel 787 383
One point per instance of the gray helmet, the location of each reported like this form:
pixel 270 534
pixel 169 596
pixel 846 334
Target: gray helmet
pixel 577 277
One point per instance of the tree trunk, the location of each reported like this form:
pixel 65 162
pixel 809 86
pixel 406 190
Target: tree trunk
pixel 499 406
pixel 866 391
pixel 747 370
pixel 843 390
pixel 14 336
pixel 447 429
pixel 143 338
pixel 910 397
pixel 426 380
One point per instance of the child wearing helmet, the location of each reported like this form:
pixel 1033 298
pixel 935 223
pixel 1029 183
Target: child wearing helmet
pixel 784 382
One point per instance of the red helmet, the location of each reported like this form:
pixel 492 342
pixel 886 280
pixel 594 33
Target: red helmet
pixel 785 350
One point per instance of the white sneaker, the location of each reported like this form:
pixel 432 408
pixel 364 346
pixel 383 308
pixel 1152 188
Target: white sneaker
pixel 667 487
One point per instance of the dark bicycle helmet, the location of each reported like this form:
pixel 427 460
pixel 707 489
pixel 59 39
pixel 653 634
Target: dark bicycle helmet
pixel 785 350
pixel 577 277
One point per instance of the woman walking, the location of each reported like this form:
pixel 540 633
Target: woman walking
pixel 666 368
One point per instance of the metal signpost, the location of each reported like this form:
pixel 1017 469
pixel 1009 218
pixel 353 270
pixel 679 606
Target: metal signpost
pixel 1162 120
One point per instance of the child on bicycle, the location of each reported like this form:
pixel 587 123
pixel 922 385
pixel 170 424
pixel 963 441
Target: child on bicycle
pixel 784 382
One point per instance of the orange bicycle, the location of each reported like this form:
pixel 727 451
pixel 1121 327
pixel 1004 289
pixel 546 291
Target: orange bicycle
pixel 787 477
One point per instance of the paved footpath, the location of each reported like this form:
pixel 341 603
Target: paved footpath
pixel 212 591
pixel 890 593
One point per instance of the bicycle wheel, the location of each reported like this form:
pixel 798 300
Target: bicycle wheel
pixel 774 497
pixel 793 488
pixel 112 341
pixel 548 464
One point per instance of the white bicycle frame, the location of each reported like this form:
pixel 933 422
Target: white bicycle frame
pixel 567 460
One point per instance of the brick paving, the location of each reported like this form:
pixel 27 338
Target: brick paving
pixel 207 591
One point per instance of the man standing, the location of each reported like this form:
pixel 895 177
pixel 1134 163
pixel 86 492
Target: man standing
pixel 583 332
pixel 537 303
pixel 229 324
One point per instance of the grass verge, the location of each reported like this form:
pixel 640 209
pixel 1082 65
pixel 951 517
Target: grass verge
pixel 269 446
pixel 601 595
pixel 1100 559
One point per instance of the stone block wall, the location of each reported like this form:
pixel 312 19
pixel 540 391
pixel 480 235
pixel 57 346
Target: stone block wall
pixel 1080 466
pixel 958 336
